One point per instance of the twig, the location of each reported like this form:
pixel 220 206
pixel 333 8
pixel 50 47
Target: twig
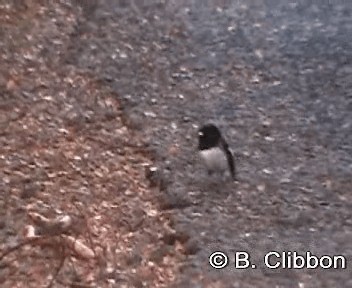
pixel 58 269
pixel 19 245
pixel 90 240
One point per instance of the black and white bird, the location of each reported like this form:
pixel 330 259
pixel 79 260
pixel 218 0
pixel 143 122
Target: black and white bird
pixel 215 151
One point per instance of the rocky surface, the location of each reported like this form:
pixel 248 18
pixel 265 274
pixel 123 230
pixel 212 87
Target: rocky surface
pixel 275 77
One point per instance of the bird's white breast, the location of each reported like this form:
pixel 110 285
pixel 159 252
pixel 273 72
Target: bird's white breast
pixel 214 158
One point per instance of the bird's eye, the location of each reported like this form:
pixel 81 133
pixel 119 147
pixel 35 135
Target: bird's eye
pixel 200 134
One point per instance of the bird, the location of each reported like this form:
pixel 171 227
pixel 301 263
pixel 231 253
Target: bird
pixel 215 151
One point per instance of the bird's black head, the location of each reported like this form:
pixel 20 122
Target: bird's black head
pixel 209 136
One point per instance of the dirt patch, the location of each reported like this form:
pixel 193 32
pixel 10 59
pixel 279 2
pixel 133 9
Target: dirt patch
pixel 66 150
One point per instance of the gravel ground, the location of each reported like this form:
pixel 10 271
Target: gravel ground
pixel 277 79
pixel 65 149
